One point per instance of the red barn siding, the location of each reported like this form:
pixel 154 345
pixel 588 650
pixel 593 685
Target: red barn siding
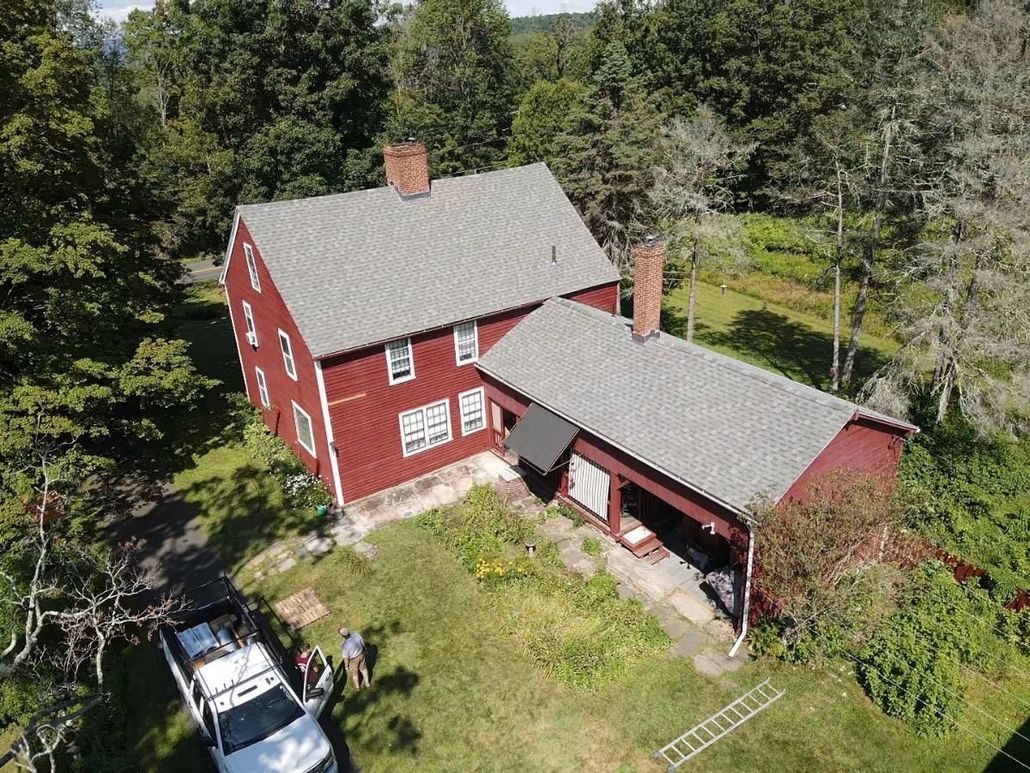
pixel 861 446
pixel 684 499
pixel 364 407
pixel 271 315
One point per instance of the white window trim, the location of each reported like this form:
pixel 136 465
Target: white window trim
pixel 262 385
pixel 248 254
pixel 461 413
pixel 248 318
pixel 425 423
pixel 389 363
pixel 289 363
pixel 475 338
pixel 296 428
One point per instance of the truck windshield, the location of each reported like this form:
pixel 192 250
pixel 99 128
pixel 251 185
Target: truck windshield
pixel 256 719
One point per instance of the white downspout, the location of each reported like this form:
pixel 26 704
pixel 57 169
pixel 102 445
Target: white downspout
pixel 747 590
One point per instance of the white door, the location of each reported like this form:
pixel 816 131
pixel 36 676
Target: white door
pixel 588 485
pixel 318 682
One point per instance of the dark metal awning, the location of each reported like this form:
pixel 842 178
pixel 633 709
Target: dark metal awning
pixel 540 437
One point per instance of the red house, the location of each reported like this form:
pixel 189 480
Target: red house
pixel 389 332
pixel 359 317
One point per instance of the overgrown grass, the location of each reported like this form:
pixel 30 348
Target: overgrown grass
pixel 578 630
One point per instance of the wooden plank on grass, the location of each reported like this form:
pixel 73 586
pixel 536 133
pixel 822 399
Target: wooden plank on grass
pixel 302 608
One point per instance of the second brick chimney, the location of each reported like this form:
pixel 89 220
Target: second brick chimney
pixel 407 168
pixel 648 267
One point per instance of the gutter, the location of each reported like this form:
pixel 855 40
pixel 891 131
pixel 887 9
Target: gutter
pixel 747 590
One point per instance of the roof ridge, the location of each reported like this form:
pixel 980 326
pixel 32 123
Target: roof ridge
pixel 380 188
pixel 775 380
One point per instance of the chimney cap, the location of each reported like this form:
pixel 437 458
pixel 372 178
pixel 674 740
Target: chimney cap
pixel 650 240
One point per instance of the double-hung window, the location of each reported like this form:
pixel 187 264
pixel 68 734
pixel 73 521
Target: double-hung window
pixel 248 317
pixel 400 362
pixel 262 387
pixel 466 343
pixel 305 434
pixel 288 363
pixel 425 427
pixel 470 406
pixel 248 253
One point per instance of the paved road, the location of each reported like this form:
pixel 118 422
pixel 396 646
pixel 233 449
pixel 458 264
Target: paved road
pixel 200 271
pixel 176 548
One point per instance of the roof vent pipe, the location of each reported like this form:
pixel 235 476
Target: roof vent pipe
pixel 554 255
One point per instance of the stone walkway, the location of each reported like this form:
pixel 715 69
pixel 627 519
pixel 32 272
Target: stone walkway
pixel 670 589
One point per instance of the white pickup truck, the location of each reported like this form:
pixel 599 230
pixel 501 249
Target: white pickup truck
pixel 237 689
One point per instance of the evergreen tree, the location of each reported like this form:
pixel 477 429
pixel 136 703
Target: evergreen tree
pixel 605 158
pixel 455 84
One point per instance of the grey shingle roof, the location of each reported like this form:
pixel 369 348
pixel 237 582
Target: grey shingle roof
pixel 358 268
pixel 724 427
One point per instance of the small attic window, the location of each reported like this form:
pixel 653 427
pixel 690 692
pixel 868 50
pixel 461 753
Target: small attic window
pixel 248 252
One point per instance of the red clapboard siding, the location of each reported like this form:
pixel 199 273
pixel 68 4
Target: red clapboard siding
pixel 270 316
pixel 364 407
pixel 862 446
pixel 618 463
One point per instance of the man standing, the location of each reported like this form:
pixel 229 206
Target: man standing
pixel 353 652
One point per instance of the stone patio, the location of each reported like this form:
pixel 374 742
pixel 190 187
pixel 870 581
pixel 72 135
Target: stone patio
pixel 670 589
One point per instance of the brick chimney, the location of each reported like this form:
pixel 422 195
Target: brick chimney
pixel 648 267
pixel 407 167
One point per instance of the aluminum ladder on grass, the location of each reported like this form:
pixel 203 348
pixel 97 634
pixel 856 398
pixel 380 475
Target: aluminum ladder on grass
pixel 704 734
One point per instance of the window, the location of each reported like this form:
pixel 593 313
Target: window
pixel 399 361
pixel 305 435
pixel 466 343
pixel 284 344
pixel 262 387
pixel 470 405
pixel 248 251
pixel 248 316
pixel 425 427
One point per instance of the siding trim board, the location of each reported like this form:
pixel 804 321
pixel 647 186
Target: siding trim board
pixel 236 340
pixel 334 463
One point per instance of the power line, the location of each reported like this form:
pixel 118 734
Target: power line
pixel 1000 723
pixel 940 713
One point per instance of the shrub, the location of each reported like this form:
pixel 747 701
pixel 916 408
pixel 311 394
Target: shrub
pixel 970 496
pixel 816 565
pixel 302 489
pixel 349 560
pixel 911 668
pixel 592 546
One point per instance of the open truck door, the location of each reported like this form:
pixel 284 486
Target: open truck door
pixel 318 682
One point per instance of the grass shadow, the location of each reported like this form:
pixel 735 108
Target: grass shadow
pixel 777 343
pixel 243 509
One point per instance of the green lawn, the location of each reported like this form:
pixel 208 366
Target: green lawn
pixel 452 692
pixel 772 336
